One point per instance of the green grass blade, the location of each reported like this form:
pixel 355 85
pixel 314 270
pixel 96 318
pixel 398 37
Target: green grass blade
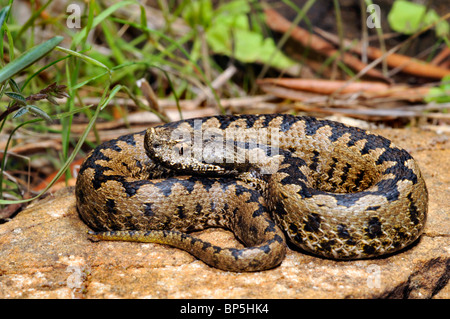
pixel 28 58
pixel 42 69
pixel 83 57
pixel 3 15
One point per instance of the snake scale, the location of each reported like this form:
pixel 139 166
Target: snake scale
pixel 333 190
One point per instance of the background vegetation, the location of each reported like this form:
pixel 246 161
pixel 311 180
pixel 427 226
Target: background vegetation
pixel 71 63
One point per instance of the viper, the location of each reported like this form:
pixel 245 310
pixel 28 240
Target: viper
pixel 333 190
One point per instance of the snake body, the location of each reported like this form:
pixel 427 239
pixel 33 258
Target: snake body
pixel 333 190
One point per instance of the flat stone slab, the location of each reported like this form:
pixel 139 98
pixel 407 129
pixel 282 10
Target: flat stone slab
pixel 45 253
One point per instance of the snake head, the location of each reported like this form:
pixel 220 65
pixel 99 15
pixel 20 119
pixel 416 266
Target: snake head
pixel 208 150
pixel 178 149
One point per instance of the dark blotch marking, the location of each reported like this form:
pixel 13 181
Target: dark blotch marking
pixel 270 229
pixel 389 189
pixel 100 177
pixel 125 165
pixel 336 132
pixel 315 160
pixel 293 228
pixel 312 125
pixel 344 175
pixel 369 250
pixel 350 242
pixel 80 196
pixel 190 183
pixel 226 121
pixel 166 185
pixel 132 187
pixel 332 167
pixel 313 223
pixel 359 178
pixel 298 239
pixel 258 212
pixel 129 139
pixel 193 239
pixel 278 239
pixel 343 232
pixel 180 211
pixel 293 173
pixel 241 190
pixel 206 245
pixel 374 142
pixel 111 206
pixel 138 164
pixel 357 134
pixel 304 192
pixel 236 253
pixel 148 211
pixel 396 244
pixel 265 248
pixel 287 123
pixel 279 209
pixel 399 169
pixel 326 245
pixel 199 207
pixel 267 120
pixel 413 212
pixel 374 228
pixel 96 155
pixel 400 233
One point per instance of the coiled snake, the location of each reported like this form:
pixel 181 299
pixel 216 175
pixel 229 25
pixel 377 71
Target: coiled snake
pixel 334 190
